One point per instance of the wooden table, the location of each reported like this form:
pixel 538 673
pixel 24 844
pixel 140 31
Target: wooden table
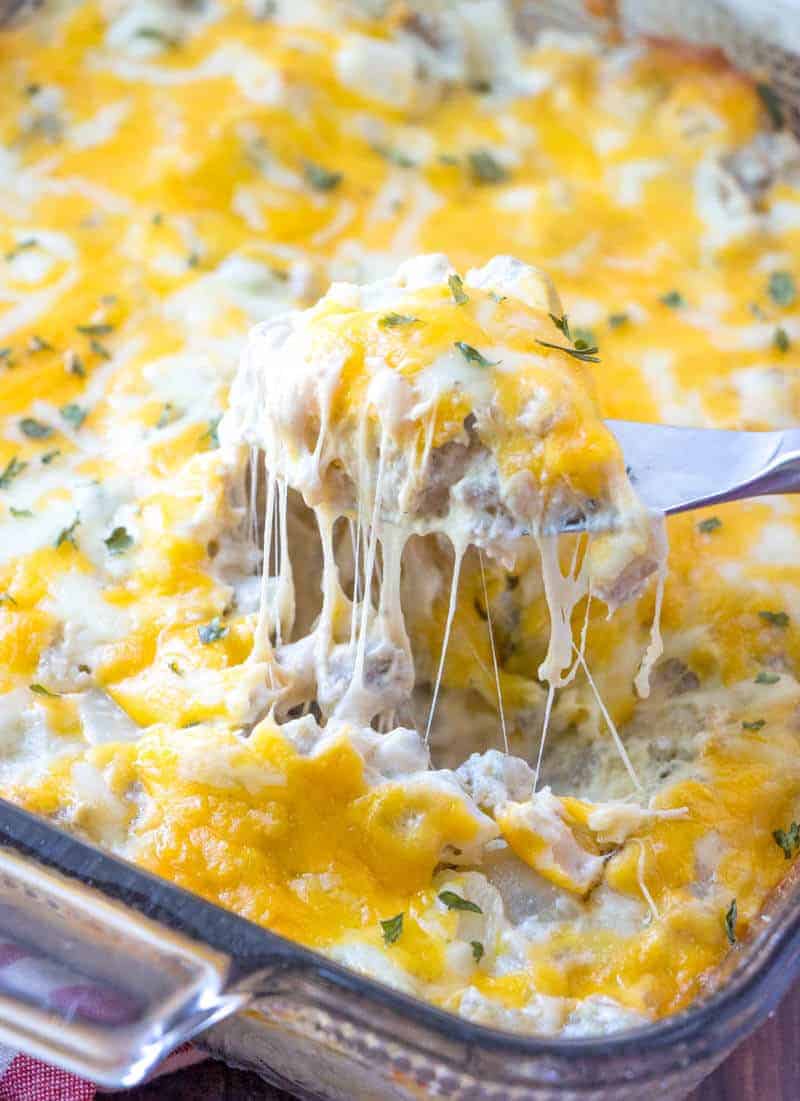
pixel 764 1068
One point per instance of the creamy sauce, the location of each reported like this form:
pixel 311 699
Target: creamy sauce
pixel 172 176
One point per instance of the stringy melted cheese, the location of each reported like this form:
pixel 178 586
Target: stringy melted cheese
pixel 172 175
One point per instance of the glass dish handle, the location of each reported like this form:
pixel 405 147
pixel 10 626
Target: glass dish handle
pixel 93 985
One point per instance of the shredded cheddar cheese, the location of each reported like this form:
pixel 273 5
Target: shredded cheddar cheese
pixel 338 730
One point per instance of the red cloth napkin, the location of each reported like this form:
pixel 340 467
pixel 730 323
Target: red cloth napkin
pixel 26 1079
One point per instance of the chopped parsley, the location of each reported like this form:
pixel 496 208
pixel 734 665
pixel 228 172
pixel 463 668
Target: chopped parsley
pixel 477 950
pixel 581 349
pixel 711 523
pixel 35 430
pixel 472 355
pixel 211 432
pixel 584 338
pixel 781 288
pixel 212 632
pixel 616 320
pixel 455 902
pixel 731 916
pixel 155 34
pixel 772 104
pixel 392 320
pixel 584 354
pixel 166 416
pixel 756 724
pixel 780 340
pixel 73 414
pixel 5 355
pixel 788 840
pixel 40 690
pixel 48 456
pixel 119 540
pixel 775 619
pixel 7 598
pixel 13 468
pixel 74 364
pixel 21 246
pixel 767 678
pixel 67 535
pixel 673 299
pixel 485 168
pixel 99 349
pixel 321 179
pixel 39 344
pixel 101 328
pixel 395 156
pixel 456 286
pixel 19 513
pixel 392 929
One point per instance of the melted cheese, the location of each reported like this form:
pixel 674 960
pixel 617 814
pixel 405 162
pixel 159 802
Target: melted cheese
pixel 171 176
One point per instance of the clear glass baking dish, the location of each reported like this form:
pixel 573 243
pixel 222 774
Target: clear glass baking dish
pixel 111 967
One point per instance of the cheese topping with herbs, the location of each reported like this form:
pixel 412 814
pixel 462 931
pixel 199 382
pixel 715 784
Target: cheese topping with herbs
pixel 171 175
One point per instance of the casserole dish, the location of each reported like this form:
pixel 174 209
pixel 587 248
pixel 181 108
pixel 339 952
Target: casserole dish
pixel 194 988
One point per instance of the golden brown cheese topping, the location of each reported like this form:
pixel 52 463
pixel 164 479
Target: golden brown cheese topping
pixel 170 177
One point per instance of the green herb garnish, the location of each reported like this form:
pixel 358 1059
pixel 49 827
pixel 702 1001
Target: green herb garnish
pixel 756 724
pixel 767 678
pixel 673 299
pixel 75 365
pixel 155 34
pixel 101 328
pixel 392 320
pixel 477 950
pixel 211 432
pixel 38 344
pixel 484 168
pixel 581 348
pixel 472 355
pixel 711 523
pixel 772 104
pixel 775 619
pixel 392 929
pixel 166 416
pixel 67 535
pixel 48 456
pixel 212 632
pixel 12 470
pixel 730 921
pixel 119 540
pixel 35 430
pixel 40 690
pixel 321 179
pixel 394 156
pixel 456 286
pixel 176 669
pixel 99 349
pixel 73 414
pixel 19 513
pixel 782 289
pixel 780 340
pixel 789 840
pixel 455 902
pixel 7 598
pixel 21 246
pixel 584 354
pixel 615 320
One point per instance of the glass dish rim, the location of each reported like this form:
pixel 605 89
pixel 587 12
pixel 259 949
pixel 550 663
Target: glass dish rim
pixel 767 965
pixel 759 973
